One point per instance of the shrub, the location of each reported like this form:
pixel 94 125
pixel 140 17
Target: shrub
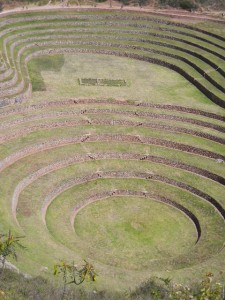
pixel 188 4
pixel 150 289
pixel 1 5
pixel 159 288
pixel 184 4
pixel 100 1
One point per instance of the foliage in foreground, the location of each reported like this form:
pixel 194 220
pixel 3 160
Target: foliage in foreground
pixel 71 274
pixel 161 288
pixel 15 286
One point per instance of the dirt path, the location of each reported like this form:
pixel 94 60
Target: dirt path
pixel 177 14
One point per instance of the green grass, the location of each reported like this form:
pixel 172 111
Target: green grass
pixel 128 239
pixel 140 232
pixel 44 63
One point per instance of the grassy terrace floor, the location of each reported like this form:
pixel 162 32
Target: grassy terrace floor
pixel 132 177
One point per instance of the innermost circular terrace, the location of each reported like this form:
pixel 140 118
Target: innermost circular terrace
pixel 132 231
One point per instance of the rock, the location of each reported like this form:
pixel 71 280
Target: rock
pixel 219 161
pixel 9 266
pixel 27 276
pixel 44 269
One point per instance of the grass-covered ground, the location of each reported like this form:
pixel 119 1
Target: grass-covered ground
pixel 148 83
pixel 130 178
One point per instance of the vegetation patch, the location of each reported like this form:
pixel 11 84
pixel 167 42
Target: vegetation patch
pixel 43 63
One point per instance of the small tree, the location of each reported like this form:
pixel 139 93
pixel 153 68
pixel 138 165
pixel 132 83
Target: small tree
pixel 8 246
pixel 71 274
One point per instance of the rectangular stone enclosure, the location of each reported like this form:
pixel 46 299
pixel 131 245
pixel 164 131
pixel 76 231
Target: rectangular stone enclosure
pixel 102 82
